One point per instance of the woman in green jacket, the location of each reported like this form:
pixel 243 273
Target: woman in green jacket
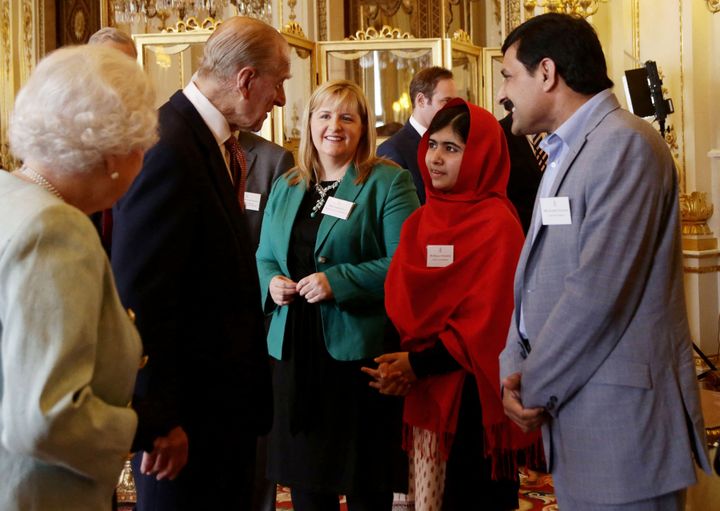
pixel 331 226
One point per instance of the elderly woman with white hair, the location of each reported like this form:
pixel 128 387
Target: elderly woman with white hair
pixel 69 352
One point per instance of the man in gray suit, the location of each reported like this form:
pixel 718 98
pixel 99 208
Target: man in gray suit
pixel 599 350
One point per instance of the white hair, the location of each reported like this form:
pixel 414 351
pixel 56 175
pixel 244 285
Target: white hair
pixel 81 104
pixel 239 42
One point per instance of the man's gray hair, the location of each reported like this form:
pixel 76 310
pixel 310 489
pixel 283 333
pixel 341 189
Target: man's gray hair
pixel 81 104
pixel 114 35
pixel 240 42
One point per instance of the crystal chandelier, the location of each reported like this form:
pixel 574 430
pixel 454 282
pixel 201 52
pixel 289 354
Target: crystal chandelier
pixel 582 8
pixel 133 12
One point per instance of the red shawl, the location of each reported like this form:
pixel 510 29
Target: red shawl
pixel 468 304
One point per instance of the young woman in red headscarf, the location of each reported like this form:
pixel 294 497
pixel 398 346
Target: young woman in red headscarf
pixel 449 293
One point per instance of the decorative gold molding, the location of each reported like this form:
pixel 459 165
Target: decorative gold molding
pixel 322 20
pixel 713 6
pixel 191 24
pixel 681 170
pixel 695 211
pixel 636 29
pixel 294 28
pixel 27 34
pixel 386 32
pixel 584 8
pixel 702 269
pixel 461 36
pixel 5 38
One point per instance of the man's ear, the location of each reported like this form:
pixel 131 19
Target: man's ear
pixel 420 100
pixel 243 80
pixel 548 72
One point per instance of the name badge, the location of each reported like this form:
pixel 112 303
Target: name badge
pixel 252 201
pixel 338 208
pixel 555 210
pixel 439 256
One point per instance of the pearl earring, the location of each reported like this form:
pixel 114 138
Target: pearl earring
pixel 114 175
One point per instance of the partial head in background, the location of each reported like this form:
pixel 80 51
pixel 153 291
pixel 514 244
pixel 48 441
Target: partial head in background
pixel 114 38
pixel 430 89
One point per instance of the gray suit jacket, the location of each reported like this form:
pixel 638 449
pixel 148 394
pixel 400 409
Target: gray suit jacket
pixel 604 310
pixel 266 161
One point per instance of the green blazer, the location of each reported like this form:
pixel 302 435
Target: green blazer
pixel 354 254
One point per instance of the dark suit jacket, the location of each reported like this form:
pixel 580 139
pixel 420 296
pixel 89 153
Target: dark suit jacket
pixel 266 161
pixel 525 174
pixel 184 262
pixel 402 148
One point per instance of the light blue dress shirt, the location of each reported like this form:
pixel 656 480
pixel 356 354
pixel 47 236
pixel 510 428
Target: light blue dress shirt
pixel 557 145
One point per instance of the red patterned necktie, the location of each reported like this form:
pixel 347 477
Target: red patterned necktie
pixel 238 168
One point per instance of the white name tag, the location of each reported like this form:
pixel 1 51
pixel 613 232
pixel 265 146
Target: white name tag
pixel 555 210
pixel 338 208
pixel 439 256
pixel 252 201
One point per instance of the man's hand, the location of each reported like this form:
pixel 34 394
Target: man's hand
pixel 168 457
pixel 528 419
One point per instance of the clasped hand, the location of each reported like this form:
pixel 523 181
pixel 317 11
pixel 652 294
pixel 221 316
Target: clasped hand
pixel 168 457
pixel 394 374
pixel 314 288
pixel 528 419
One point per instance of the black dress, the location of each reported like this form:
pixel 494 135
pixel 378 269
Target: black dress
pixel 331 431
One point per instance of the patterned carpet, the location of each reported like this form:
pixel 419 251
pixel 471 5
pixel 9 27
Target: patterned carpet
pixel 536 494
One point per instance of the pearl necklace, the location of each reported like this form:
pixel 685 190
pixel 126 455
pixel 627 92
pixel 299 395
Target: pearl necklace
pixel 40 180
pixel 323 191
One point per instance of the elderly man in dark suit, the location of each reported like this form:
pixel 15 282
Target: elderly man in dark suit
pixel 183 256
pixel 430 89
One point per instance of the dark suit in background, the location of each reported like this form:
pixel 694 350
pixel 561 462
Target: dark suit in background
pixel 266 162
pixel 184 261
pixel 402 148
pixel 525 173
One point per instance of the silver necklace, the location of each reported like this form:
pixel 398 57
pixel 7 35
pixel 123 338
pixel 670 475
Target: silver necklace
pixel 40 180
pixel 323 192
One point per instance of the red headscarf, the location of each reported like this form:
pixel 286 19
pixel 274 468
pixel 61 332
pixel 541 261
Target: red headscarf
pixel 468 304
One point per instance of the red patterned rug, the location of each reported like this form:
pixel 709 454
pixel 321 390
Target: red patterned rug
pixel 536 494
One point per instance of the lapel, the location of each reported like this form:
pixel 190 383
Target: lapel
pixel 215 165
pixel 598 114
pixel 348 190
pixel 248 144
